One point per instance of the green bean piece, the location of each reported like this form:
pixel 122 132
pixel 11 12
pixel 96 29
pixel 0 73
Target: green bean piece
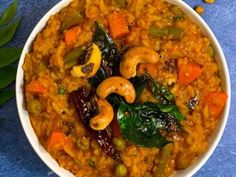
pixel 71 58
pixel 178 18
pixel 61 90
pixel 157 32
pixel 175 32
pixel 83 143
pixel 166 152
pixel 91 163
pixel 121 3
pixel 210 51
pixel 176 10
pixel 119 143
pixel 72 19
pixel 34 106
pixel 120 170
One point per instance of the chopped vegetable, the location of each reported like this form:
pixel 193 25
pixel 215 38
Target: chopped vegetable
pixel 87 107
pixel 173 32
pixel 83 143
pixel 210 51
pixel 34 106
pixel 61 90
pixel 141 123
pixel 119 143
pixel 72 57
pixel 188 73
pixel 199 9
pixel 72 19
pixel 176 10
pixel 121 3
pixel 35 87
pixel 117 25
pixel 162 165
pixel 215 102
pixel 91 163
pixel 121 171
pixel 71 35
pixel 56 141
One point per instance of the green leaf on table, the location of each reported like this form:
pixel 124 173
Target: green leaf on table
pixel 7 76
pixel 9 13
pixel 9 55
pixel 6 33
pixel 5 96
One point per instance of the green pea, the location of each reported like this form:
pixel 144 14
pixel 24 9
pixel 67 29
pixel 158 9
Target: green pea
pixel 83 143
pixel 34 106
pixel 61 90
pixel 120 170
pixel 119 143
pixel 210 51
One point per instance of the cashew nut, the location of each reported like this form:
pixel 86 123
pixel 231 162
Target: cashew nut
pixel 104 118
pixel 118 85
pixel 90 68
pixel 135 56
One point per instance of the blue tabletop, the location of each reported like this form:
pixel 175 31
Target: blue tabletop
pixel 18 159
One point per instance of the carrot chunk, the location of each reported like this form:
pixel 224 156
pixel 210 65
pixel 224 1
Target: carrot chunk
pixel 35 87
pixel 188 73
pixel 215 102
pixel 56 141
pixel 71 35
pixel 117 25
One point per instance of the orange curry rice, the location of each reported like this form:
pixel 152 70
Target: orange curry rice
pixel 117 89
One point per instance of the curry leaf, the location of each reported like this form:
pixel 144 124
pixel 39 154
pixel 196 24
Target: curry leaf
pixel 6 33
pixel 141 124
pixel 9 55
pixel 9 13
pixel 6 96
pixel 7 76
pixel 139 83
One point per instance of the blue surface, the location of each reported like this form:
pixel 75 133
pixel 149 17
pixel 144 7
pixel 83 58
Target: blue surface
pixel 18 159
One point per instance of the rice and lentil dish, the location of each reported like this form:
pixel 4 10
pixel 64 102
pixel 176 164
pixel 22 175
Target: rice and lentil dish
pixel 122 88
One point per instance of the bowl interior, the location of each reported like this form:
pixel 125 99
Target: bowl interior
pixel 46 157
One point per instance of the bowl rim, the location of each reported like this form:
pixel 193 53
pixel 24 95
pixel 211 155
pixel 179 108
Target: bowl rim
pixel 50 161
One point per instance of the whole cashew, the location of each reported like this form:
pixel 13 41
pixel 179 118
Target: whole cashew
pixel 104 118
pixel 118 85
pixel 90 68
pixel 135 56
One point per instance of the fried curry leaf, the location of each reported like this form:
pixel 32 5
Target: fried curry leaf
pixel 141 123
pixel 7 76
pixel 139 83
pixel 110 56
pixel 9 13
pixel 9 55
pixel 6 33
pixel 6 96
pixel 160 92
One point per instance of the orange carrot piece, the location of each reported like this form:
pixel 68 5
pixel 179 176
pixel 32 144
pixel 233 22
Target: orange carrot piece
pixel 148 68
pixel 56 141
pixel 117 25
pixel 35 87
pixel 71 35
pixel 188 73
pixel 215 102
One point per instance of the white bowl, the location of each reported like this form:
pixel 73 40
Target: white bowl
pixel 46 157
